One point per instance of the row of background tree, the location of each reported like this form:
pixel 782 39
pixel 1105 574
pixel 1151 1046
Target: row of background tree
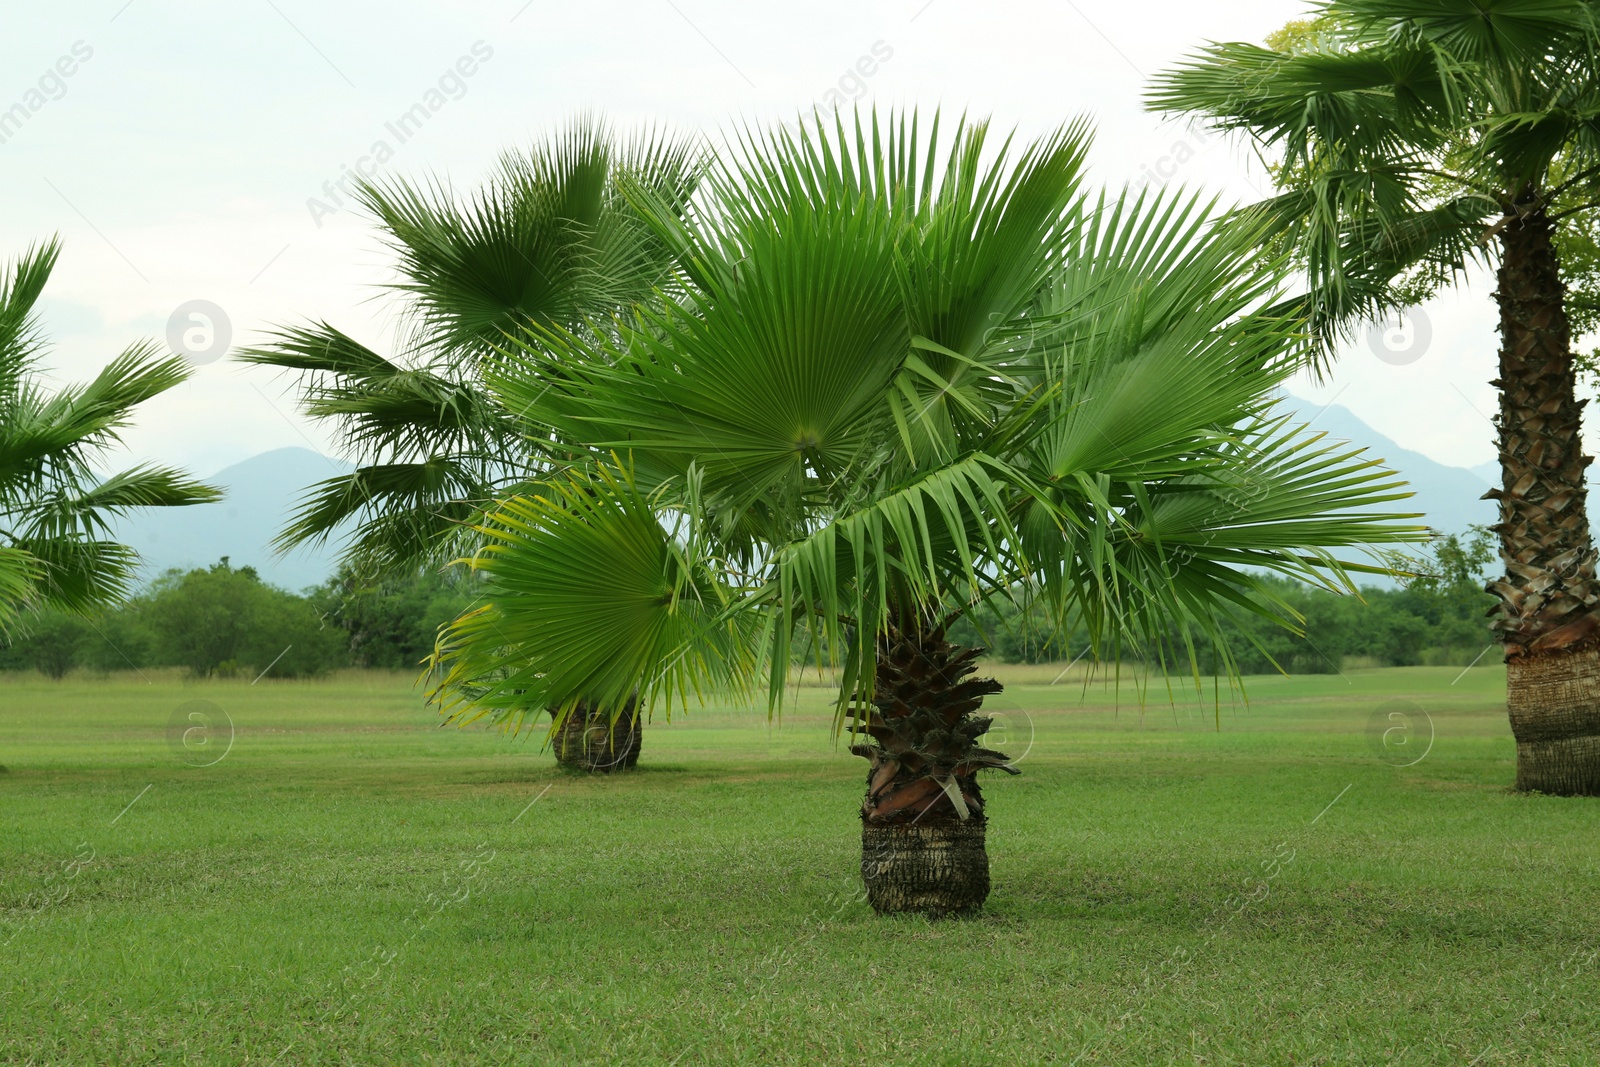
pixel 223 621
pixel 1436 619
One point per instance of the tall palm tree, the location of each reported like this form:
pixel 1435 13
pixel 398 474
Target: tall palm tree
pixel 1409 141
pixel 904 377
pixel 549 241
pixel 56 504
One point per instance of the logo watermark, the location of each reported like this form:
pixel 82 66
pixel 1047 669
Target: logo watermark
pixel 850 87
pixel 1400 733
pixel 57 887
pixel 1401 337
pixel 199 331
pixel 200 733
pixel 1009 728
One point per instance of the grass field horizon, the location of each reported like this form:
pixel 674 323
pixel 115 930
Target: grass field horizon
pixel 1200 881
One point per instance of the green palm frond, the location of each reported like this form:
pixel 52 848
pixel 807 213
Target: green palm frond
pixel 549 241
pixel 401 511
pixel 1507 32
pixel 975 227
pixel 56 507
pixel 45 434
pixel 435 450
pixel 78 574
pixel 1348 102
pixel 1154 411
pixel 591 599
pixel 756 382
pixel 1142 262
pixel 901 380
pixel 1278 489
pixel 1159 345
pixel 71 511
pixel 1398 132
pixel 320 348
pixel 1169 558
pixel 846 283
pixel 21 284
pixel 1425 249
pixel 383 410
pixel 944 537
pixel 20 573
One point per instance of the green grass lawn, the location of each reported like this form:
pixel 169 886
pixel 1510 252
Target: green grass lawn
pixel 352 884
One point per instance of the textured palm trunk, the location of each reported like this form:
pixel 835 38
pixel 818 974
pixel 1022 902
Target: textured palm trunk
pixel 589 742
pixel 1547 598
pixel 923 820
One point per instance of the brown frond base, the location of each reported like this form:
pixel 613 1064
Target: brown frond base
pixel 938 869
pixel 588 741
pixel 1554 701
pixel 923 818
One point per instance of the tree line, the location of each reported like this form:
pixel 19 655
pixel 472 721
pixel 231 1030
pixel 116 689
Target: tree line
pixel 1436 618
pixel 223 621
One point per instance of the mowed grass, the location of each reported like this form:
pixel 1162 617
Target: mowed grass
pixel 352 884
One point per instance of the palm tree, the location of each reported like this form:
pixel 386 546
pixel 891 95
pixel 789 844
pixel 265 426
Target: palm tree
pixel 1410 140
pixel 56 507
pixel 550 240
pixel 903 378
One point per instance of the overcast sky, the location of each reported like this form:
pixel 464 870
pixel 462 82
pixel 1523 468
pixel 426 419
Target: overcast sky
pixel 179 157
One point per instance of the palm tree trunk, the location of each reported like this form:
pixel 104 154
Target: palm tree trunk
pixel 589 742
pixel 1546 615
pixel 923 818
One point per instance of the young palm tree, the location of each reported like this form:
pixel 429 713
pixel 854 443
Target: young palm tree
pixel 56 506
pixel 903 378
pixel 1410 140
pixel 549 241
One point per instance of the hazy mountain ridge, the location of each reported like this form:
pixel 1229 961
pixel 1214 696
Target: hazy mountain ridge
pixel 262 493
pixel 1449 497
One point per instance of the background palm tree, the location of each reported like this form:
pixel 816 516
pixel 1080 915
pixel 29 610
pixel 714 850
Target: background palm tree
pixel 1410 141
pixel 56 503
pixel 549 241
pixel 904 377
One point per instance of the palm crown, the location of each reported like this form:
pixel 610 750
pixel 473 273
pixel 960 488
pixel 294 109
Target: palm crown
pixel 549 240
pixel 1407 138
pixel 56 504
pixel 900 377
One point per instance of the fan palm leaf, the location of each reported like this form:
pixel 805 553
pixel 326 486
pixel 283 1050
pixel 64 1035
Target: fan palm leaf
pixel 591 599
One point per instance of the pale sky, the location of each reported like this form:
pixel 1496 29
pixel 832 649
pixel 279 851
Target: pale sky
pixel 177 158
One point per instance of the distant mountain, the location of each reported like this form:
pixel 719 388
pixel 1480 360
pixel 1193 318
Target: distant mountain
pixel 261 495
pixel 1449 497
